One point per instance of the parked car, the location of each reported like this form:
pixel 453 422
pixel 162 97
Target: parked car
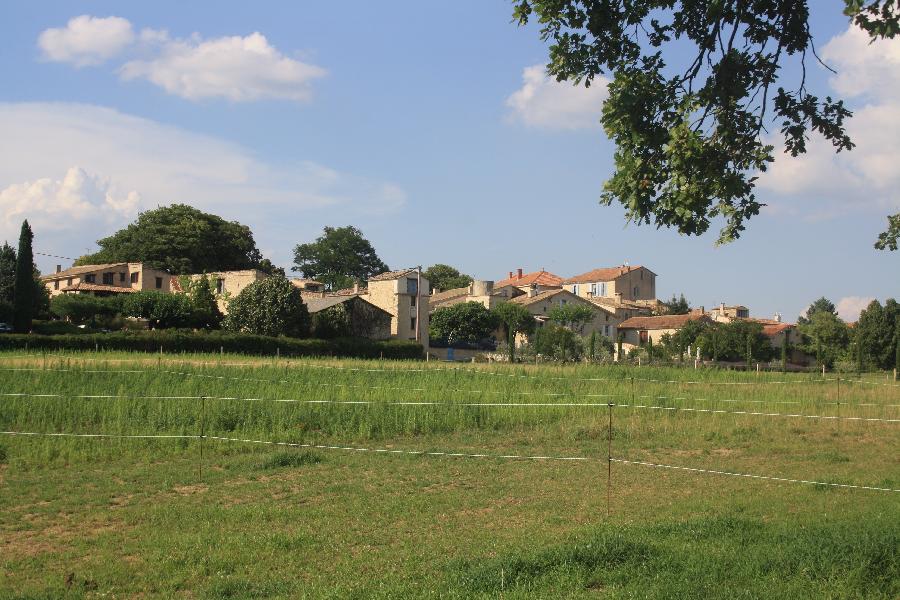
pixel 6 328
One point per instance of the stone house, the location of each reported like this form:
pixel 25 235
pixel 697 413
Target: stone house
pixel 624 283
pixel 727 314
pixel 604 321
pixel 401 294
pixel 225 284
pixel 364 318
pixel 540 281
pixel 483 292
pixel 637 331
pixel 106 279
pixel 308 285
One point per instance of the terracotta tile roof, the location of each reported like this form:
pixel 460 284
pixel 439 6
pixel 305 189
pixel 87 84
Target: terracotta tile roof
pixel 314 305
pixel 776 328
pixel 661 322
pixel 388 275
pixel 73 271
pixel 96 287
pixel 603 274
pixel 349 292
pixel 542 277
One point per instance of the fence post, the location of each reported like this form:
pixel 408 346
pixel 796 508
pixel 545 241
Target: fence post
pixel 609 459
pixel 202 435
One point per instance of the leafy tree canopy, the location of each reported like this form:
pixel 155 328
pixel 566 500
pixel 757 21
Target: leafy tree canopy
pixel 467 322
pixel 571 315
pixel 728 341
pixel 689 137
pixel 677 306
pixel 161 309
pixel 825 336
pixel 877 333
pixel 180 239
pixel 7 272
pixel 340 257
pixel 557 343
pixel 444 277
pixel 823 305
pixel 271 306
pixel 889 238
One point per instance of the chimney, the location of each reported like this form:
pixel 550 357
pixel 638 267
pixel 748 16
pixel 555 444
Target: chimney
pixel 519 273
pixel 356 287
pixel 58 268
pixel 721 308
pixel 510 275
pixel 778 317
pixel 618 297
pixel 532 291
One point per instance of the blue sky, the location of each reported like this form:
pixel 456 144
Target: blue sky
pixel 428 125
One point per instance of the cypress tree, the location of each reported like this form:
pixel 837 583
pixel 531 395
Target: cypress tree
pixel 593 345
pixel 749 351
pixel 24 292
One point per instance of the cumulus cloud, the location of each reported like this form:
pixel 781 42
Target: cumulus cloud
pixel 849 308
pixel 238 68
pixel 76 200
pixel 128 163
pixel 866 177
pixel 86 40
pixel 544 103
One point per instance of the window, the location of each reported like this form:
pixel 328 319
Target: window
pixel 635 292
pixel 108 278
pixel 642 274
pixel 69 281
pixel 56 284
pixel 122 277
pixel 412 301
pixel 412 323
pixel 575 289
pixel 220 286
pixel 134 277
pixel 606 330
pixel 158 282
pixel 598 289
pixel 92 278
pixel 412 286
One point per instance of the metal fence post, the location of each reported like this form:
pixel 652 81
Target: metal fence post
pixel 202 435
pixel 609 460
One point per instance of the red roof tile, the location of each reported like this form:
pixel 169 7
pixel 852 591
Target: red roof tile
pixel 603 274
pixel 661 322
pixel 545 278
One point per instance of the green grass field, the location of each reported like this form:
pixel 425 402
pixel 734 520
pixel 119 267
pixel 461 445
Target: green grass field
pixel 368 506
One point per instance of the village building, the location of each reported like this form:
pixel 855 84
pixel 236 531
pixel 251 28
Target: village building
pixel 106 279
pixel 224 284
pixel 638 331
pixel 617 284
pixel 540 281
pixel 727 314
pixel 483 292
pixel 364 318
pixel 308 285
pixel 401 294
pixel 540 305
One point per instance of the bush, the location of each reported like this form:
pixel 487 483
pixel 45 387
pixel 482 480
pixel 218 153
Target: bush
pixel 333 322
pixel 466 323
pixel 291 459
pixel 84 308
pixel 214 341
pixel 161 309
pixel 270 306
pixel 557 343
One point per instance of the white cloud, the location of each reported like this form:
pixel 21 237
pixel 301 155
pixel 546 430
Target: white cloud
pixel 238 68
pixel 849 308
pixel 136 164
pixel 86 40
pixel 544 103
pixel 78 199
pixel 866 177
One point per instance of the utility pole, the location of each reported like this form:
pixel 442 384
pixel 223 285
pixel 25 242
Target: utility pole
pixel 418 299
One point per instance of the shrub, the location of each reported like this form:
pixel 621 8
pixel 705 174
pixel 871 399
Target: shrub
pixel 333 322
pixel 271 306
pixel 557 343
pixel 214 341
pixel 84 308
pixel 467 323
pixel 291 459
pixel 161 309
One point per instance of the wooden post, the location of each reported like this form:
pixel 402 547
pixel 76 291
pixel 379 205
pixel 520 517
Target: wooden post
pixel 609 459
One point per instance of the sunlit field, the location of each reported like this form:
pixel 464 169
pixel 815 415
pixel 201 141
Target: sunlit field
pixel 325 478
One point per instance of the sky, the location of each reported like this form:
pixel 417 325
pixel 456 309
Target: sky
pixel 430 126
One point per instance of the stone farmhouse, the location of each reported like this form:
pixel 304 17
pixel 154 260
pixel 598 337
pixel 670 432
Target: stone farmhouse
pixel 106 279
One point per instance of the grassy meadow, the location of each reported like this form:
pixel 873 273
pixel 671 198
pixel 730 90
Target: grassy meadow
pixel 357 512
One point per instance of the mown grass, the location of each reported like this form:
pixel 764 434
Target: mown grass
pixel 118 517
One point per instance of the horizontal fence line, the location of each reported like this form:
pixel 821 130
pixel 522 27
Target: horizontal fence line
pixel 752 476
pixel 479 372
pixel 467 404
pixel 450 454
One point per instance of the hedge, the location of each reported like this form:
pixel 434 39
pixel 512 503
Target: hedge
pixel 237 343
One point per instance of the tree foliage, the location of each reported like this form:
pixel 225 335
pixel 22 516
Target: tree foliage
pixel 689 137
pixel 340 257
pixel 203 302
pixel 677 306
pixel 25 294
pixel 180 239
pixel 444 277
pixel 332 322
pixel 515 319
pixel 677 343
pixel 729 341
pixel 84 308
pixel 572 315
pixel 271 306
pixel 876 333
pixel 822 305
pixel 557 342
pixel 824 335
pixel 162 310
pixel 467 323
pixel 888 239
